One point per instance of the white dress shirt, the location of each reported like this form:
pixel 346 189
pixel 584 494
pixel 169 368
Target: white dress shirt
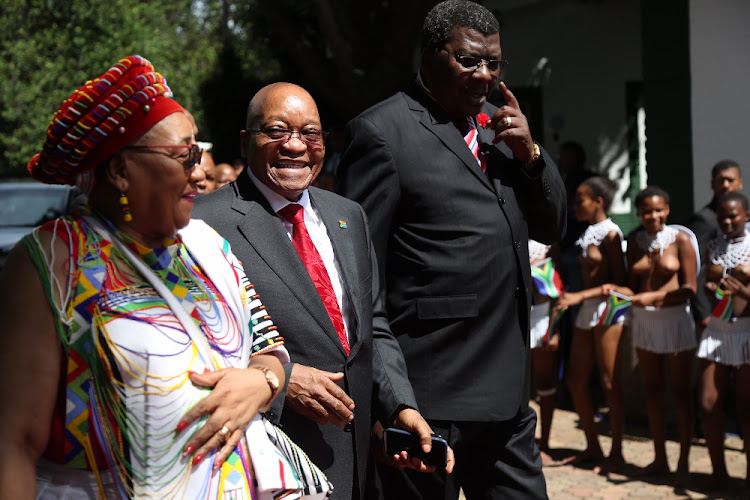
pixel 319 236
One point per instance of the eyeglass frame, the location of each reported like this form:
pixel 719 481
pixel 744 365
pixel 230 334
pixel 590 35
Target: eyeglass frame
pixel 502 63
pixel 289 133
pixel 191 161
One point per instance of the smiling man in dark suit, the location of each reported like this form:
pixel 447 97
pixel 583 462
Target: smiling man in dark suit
pixel 450 230
pixel 309 254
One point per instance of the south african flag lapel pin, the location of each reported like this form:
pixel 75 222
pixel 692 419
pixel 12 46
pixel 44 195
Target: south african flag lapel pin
pixel 342 224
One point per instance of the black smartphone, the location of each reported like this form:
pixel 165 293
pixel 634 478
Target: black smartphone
pixel 397 440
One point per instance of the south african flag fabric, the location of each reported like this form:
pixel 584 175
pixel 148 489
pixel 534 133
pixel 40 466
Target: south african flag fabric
pixel 617 306
pixel 547 279
pixel 553 322
pixel 724 309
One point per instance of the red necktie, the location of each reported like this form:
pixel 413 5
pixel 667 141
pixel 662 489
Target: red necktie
pixel 315 268
pixel 471 136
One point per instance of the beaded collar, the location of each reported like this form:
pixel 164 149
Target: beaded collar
pixel 596 233
pixel 537 251
pixel 730 254
pixel 650 243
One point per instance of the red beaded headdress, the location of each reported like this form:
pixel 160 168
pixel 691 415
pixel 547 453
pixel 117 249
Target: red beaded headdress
pixel 101 118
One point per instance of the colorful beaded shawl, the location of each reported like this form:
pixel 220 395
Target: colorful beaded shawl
pixel 127 358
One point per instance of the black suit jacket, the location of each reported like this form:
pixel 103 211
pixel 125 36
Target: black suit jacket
pixel 705 226
pixel 452 247
pixel 374 370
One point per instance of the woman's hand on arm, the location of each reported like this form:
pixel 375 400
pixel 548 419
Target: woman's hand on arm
pixel 574 298
pixel 568 299
pixel 608 288
pixel 735 286
pixel 652 298
pixel 30 357
pixel 238 395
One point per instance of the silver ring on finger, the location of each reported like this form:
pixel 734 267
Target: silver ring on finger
pixel 508 121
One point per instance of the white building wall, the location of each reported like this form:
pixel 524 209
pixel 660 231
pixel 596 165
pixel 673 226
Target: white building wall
pixel 720 80
pixel 582 54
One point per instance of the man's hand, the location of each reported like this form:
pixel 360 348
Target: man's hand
pixel 510 125
pixel 314 394
pixel 412 421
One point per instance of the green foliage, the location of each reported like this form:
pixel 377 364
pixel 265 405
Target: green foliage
pixel 49 48
pixel 348 54
pixel 215 55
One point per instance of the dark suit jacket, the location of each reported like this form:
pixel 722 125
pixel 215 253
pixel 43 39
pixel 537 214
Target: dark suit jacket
pixel 452 249
pixel 374 370
pixel 705 226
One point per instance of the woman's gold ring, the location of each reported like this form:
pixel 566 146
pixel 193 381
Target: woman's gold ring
pixel 508 121
pixel 224 432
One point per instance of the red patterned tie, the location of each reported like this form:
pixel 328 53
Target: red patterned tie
pixel 315 268
pixel 471 136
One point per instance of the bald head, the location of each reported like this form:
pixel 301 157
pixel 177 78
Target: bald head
pixel 275 91
pixel 283 139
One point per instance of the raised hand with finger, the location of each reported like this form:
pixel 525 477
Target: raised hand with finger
pixel 510 126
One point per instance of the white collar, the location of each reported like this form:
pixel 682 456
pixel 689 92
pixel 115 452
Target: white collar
pixel 278 202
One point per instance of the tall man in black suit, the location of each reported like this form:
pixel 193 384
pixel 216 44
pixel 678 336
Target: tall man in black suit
pixel 451 241
pixel 338 365
pixel 725 178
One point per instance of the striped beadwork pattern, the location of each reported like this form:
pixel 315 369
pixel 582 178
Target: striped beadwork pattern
pixel 128 358
pixel 94 113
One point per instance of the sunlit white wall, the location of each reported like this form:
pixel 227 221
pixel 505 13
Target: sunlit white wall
pixel 582 54
pixel 720 94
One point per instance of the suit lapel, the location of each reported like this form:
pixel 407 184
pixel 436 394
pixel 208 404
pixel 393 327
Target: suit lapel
pixel 437 121
pixel 265 233
pixel 346 255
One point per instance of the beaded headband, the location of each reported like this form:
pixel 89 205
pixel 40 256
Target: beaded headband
pixel 101 118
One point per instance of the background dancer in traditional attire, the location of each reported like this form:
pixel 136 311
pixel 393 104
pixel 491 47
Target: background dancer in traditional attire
pixel 602 262
pixel 725 343
pixel 662 270
pixel 128 328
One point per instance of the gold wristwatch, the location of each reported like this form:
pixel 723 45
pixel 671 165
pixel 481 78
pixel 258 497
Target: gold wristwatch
pixel 534 157
pixel 271 379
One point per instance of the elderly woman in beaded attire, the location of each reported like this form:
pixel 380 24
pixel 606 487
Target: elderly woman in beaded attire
pixel 724 348
pixel 136 355
pixel 662 270
pixel 602 262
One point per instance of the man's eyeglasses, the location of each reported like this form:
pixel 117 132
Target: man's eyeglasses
pixel 188 159
pixel 311 137
pixel 473 63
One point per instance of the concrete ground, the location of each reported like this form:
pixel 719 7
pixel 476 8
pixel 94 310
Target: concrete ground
pixel 569 482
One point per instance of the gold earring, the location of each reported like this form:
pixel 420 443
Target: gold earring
pixel 125 208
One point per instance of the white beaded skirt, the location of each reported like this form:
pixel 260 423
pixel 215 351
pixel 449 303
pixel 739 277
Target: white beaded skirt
pixel 663 329
pixel 727 343
pixel 539 319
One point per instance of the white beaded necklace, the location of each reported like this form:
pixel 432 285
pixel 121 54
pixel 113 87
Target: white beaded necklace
pixel 595 233
pixel 730 253
pixel 537 251
pixel 650 243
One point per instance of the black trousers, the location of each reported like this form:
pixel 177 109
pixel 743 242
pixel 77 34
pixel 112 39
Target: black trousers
pixel 494 460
